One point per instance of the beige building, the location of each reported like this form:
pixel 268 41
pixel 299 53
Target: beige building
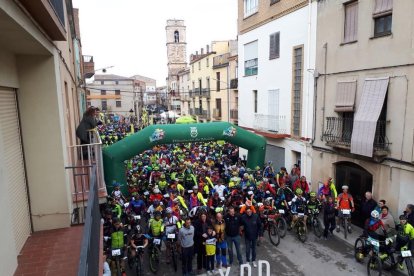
pixel 209 86
pixel 364 121
pixel 41 99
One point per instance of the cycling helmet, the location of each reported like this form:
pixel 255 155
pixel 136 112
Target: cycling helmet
pixel 312 194
pixel 157 214
pixel 138 229
pixel 156 202
pixel 299 191
pixel 265 179
pixel 163 176
pixel 195 188
pixel 169 210
pixel 345 187
pixel 156 191
pixel 375 214
pixel 280 192
pixel 268 201
pixel 257 168
pixel 116 184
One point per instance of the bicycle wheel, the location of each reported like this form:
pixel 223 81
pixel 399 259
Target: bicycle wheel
pixel 154 259
pixel 359 249
pixel 118 268
pixel 174 258
pixel 282 226
pixel 345 228
pixel 410 268
pixel 302 231
pixel 374 266
pixel 274 234
pixel 316 225
pixel 138 267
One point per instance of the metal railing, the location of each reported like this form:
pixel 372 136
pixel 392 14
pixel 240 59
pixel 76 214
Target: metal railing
pixel 205 92
pixel 338 132
pixel 234 114
pixel 270 123
pixel 86 161
pixel 90 247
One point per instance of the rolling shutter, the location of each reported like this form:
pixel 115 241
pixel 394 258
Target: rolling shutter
pixel 15 179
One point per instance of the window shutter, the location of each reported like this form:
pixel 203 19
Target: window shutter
pixel 277 43
pixel 272 47
pixel 351 22
pixel 382 7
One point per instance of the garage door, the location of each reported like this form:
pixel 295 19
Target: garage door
pixel 14 173
pixel 276 155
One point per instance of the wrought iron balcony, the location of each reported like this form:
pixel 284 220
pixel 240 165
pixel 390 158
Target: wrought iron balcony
pixel 338 133
pixel 234 114
pixel 270 123
pixel 221 61
pixel 234 83
pixel 205 92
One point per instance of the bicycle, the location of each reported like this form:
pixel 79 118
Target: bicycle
pixel 300 227
pixel 345 221
pixel 154 254
pixel 116 258
pixel 314 221
pixel 281 223
pixel 172 245
pixel 406 255
pixel 273 230
pixel 137 261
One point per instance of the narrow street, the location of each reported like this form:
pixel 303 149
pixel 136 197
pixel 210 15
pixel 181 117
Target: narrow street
pixel 293 258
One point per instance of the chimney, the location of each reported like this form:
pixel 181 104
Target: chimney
pixel 208 48
pixel 202 51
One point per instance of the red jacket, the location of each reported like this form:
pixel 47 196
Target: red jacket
pixel 303 185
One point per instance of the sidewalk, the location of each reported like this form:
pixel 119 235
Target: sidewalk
pixel 52 252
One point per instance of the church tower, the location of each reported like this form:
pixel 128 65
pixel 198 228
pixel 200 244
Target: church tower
pixel 176 54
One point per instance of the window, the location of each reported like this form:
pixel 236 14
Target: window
pixel 297 90
pixel 250 59
pixel 102 82
pixel 382 17
pixel 104 105
pixel 208 83
pixel 118 104
pixel 250 7
pixel 199 65
pixel 274 45
pixel 103 92
pixel 255 100
pixel 218 81
pixel 118 92
pixel 176 37
pixel 116 82
pixel 218 106
pixel 192 68
pixel 274 1
pixel 351 22
pixel 207 62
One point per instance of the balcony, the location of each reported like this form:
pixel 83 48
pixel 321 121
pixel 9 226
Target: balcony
pixel 205 92
pixel 185 97
pixel 216 113
pixel 195 93
pixel 221 61
pixel 234 114
pixel 338 133
pixel 50 15
pixel 234 83
pixel 88 67
pixel 270 123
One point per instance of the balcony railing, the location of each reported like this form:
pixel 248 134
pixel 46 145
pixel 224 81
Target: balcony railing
pixel 205 92
pixel 217 113
pixel 234 83
pixel 338 133
pixel 88 67
pixel 270 123
pixel 234 114
pixel 221 61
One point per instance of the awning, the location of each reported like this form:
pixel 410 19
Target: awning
pixel 366 117
pixel 382 7
pixel 345 96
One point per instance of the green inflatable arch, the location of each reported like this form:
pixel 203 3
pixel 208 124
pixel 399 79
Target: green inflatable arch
pixel 115 155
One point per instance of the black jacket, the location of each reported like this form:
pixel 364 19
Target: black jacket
pixel 252 226
pixel 367 207
pixel 87 123
pixel 328 211
pixel 233 224
pixel 200 229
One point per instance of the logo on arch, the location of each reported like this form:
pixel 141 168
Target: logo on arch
pixel 193 132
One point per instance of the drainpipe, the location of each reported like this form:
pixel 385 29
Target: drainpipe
pixel 325 46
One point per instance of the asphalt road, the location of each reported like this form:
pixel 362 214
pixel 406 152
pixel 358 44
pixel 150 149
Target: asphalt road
pixel 333 257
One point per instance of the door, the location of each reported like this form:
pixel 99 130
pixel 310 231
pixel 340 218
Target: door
pixel 14 177
pixel 359 181
pixel 276 155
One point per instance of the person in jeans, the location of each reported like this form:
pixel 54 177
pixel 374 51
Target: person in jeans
pixel 186 238
pixel 233 224
pixel 252 227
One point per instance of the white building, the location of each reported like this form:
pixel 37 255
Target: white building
pixel 276 48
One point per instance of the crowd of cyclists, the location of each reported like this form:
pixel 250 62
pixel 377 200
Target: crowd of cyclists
pixel 200 199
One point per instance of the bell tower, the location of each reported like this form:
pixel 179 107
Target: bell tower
pixel 176 54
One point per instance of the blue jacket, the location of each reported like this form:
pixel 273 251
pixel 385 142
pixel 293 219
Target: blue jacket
pixel 252 226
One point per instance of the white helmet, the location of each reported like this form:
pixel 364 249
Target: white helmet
pixel 156 191
pixel 169 210
pixel 375 214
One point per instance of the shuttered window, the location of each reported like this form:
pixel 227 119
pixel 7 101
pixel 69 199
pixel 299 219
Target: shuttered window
pixel 13 170
pixel 351 22
pixel 382 17
pixel 297 90
pixel 274 45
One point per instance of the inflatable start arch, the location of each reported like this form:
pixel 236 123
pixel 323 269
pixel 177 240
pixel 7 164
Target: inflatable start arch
pixel 115 155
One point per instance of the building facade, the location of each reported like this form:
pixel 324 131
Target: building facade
pixel 149 96
pixel 276 54
pixel 184 81
pixel 176 55
pixel 363 123
pixel 41 77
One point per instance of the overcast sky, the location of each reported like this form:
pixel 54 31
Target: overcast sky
pixel 130 34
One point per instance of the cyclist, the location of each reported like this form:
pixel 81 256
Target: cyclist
pixel 301 183
pixel 280 176
pixel 172 224
pixel 313 204
pixel 328 189
pixel 118 242
pixel 280 200
pixel 117 194
pixel 345 202
pixel 137 205
pixel 115 207
pixel 156 226
pixel 268 171
pixel 156 195
pixel 405 237
pixel 268 187
pixel 298 206
pixel 137 239
pixel 220 188
pixel 156 206
pixel 196 198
